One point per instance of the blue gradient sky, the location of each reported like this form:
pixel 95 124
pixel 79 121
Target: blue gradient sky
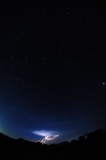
pixel 52 69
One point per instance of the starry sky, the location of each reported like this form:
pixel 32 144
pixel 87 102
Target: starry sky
pixel 52 69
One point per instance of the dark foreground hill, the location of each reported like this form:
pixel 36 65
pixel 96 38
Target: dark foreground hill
pixel 92 145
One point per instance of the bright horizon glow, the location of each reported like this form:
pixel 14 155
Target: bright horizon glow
pixel 48 135
pixel 44 133
pixel 49 138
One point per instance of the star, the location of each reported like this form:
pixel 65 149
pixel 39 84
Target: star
pixel 18 79
pixel 11 56
pixel 65 114
pixel 26 59
pixel 44 58
pixel 68 13
pixel 69 62
pixel 98 110
pixel 104 83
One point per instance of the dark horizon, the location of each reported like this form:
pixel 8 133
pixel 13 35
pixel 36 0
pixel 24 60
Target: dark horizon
pixel 52 70
pixel 98 133
pixel 91 145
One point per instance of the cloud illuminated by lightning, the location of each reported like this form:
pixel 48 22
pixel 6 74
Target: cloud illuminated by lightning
pixel 49 138
pixel 48 135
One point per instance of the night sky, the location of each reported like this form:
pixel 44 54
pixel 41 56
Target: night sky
pixel 52 70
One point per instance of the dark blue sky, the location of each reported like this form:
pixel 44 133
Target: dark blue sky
pixel 52 69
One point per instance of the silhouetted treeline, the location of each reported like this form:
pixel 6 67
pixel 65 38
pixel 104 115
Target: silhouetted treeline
pixel 91 145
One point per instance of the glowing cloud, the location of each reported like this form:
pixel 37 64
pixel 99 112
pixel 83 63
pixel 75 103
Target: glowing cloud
pixel 49 138
pixel 48 135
